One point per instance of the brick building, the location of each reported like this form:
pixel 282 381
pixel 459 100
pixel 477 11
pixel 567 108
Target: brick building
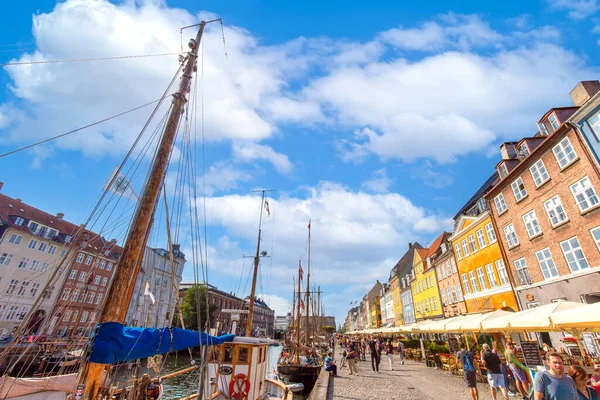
pixel 448 279
pixel 547 211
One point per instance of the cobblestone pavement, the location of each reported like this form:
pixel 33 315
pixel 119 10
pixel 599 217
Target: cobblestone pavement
pixel 409 381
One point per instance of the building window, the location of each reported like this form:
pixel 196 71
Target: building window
pixel 75 315
pixel 564 153
pixel 459 292
pixel 502 272
pixel 489 269
pixel 481 277
pixel 88 260
pixel 574 255
pixel 90 298
pixel 502 170
pixel 472 244
pixel 33 226
pixel 68 314
pixel 444 297
pixel 491 234
pixel 531 224
pixel 539 173
pixel 555 211
pixel 523 150
pixel 23 288
pixel 63 252
pixel 453 263
pixel 34 265
pixel 43 246
pixel 480 238
pixel 546 262
pixel 553 122
pixel 518 188
pixel 79 258
pixel 466 283
pixel 511 235
pixel 84 316
pixel 52 233
pixel 75 295
pixel 109 266
pixel 522 271
pixel 465 247
pixel 73 274
pixel 444 248
pixel 595 234
pixel 12 286
pixel 97 279
pixel 457 251
pixel 52 249
pixel 473 281
pixel 34 289
pixel 23 263
pixel 65 294
pixel 104 281
pixel 82 275
pixel 5 258
pixel 19 221
pixel 102 264
pixel 594 122
pixel 99 298
pixel 15 239
pixel 584 194
pixel 32 244
pixel 500 203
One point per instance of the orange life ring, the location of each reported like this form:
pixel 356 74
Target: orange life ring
pixel 235 384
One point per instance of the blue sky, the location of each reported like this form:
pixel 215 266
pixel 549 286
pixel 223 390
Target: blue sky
pixel 377 121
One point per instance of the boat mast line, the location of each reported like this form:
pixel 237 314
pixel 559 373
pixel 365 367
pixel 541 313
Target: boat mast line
pixel 128 268
pixel 82 128
pixel 87 59
pixel 256 261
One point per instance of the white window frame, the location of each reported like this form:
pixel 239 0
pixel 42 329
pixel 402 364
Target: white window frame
pixel 472 244
pixel 473 281
pixel 73 274
pixel 532 224
pixel 459 292
pixel 457 251
pixel 453 265
pixel 500 204
pixel 32 244
pixel 555 209
pixel 584 194
pixel 564 153
pixel 523 271
pixel 518 188
pixel 511 236
pixel 481 278
pixel 502 273
pixel 489 270
pixel 88 260
pixel 539 173
pixel 546 263
pixel 595 232
pixel 594 122
pixel 65 294
pixel 465 248
pixel 97 279
pixel 79 258
pixel 465 281
pixel 579 261
pixel 99 298
pixel 82 276
pixel 481 238
pixel 490 233
pixel 104 281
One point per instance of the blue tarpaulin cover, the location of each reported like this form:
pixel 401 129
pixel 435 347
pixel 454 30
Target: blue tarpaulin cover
pixel 115 342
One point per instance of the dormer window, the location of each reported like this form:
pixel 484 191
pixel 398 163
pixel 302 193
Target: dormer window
pixel 444 248
pixel 594 122
pixel 33 226
pixel 553 122
pixel 523 151
pixel 542 128
pixel 502 170
pixel 19 221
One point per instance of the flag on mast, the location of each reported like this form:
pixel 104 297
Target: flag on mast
pixel 118 184
pixel 301 304
pixel 309 223
pixel 300 270
pixel 267 208
pixel 147 292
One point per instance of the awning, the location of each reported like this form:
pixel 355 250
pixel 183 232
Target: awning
pixel 583 318
pixel 474 324
pixel 535 319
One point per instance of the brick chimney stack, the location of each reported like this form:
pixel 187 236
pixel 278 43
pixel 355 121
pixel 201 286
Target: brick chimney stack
pixel 584 91
pixel 1 184
pixel 60 216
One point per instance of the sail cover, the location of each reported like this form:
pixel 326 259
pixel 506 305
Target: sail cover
pixel 115 342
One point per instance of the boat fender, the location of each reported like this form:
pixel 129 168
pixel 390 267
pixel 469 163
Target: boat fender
pixel 239 382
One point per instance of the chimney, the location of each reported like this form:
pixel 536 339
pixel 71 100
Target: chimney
pixel 508 151
pixel 1 184
pixel 409 245
pixel 59 216
pixel 18 200
pixel 584 91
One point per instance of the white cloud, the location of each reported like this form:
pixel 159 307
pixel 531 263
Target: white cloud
pixel 279 304
pixel 248 152
pixel 223 177
pixel 379 183
pixel 426 173
pixel 578 9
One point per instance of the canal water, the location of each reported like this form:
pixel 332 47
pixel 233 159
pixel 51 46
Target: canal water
pixel 187 384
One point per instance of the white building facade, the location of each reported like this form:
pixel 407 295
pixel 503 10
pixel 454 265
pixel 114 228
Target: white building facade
pixel 155 293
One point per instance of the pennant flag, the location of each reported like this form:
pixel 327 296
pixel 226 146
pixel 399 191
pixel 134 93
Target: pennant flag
pixel 301 270
pixel 301 304
pixel 147 292
pixel 309 224
pixel 118 184
pixel 267 208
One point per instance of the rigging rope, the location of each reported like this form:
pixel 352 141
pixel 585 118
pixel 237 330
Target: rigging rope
pixel 81 128
pixel 88 59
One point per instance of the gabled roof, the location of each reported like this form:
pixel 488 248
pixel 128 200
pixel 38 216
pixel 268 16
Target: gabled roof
pixel 404 265
pixel 489 183
pixel 436 245
pixel 423 253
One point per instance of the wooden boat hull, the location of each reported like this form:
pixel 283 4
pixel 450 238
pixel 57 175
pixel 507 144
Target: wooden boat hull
pixel 307 375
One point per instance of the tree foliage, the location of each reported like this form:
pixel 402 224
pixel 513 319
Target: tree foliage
pixel 194 308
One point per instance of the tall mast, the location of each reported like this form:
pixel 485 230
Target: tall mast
pixel 127 271
pixel 319 318
pixel 298 313
pixel 308 291
pixel 255 273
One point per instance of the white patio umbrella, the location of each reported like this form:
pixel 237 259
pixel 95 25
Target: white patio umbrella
pixel 438 326
pixel 474 324
pixel 455 326
pixel 420 327
pixel 586 318
pixel 531 320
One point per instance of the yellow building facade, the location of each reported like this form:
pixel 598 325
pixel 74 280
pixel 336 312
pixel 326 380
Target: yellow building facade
pixel 375 313
pixel 396 299
pixel 426 295
pixel 481 267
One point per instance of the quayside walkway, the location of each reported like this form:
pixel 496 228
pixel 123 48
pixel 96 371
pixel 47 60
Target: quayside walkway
pixel 409 381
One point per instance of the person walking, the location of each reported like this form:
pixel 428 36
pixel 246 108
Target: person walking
pixel 554 384
pixel 330 365
pixel 389 352
pixel 351 357
pixel 517 370
pixel 375 354
pixel 467 359
pixel 580 377
pixel 401 352
pixel 495 378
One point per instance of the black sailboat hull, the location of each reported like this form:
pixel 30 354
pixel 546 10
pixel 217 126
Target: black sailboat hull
pixel 307 375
